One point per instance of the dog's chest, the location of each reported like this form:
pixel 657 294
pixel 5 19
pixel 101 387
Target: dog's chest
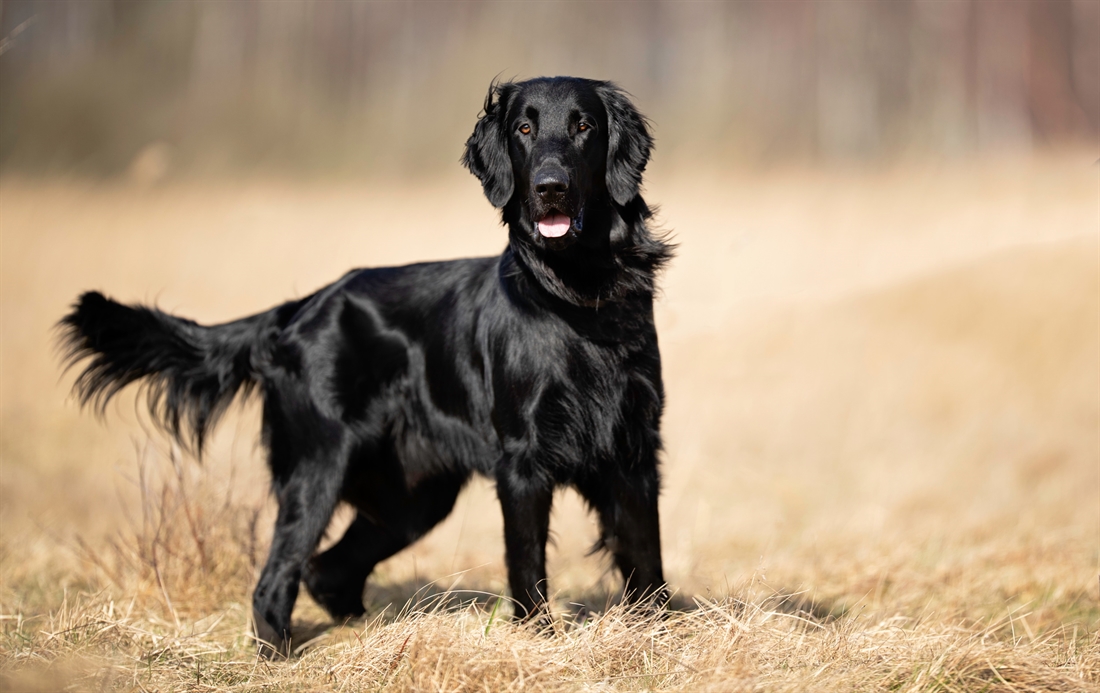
pixel 572 401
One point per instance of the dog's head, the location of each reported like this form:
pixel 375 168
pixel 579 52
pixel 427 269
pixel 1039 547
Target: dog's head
pixel 555 148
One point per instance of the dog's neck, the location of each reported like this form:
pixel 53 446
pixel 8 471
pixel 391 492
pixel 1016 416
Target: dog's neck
pixel 617 259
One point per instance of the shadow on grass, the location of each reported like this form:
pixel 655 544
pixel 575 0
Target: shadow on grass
pixel 391 602
pixel 816 609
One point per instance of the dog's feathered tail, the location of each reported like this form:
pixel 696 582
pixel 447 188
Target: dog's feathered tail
pixel 191 372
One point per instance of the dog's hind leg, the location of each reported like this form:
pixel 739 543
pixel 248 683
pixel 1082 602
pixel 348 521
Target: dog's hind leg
pixel 307 497
pixel 335 578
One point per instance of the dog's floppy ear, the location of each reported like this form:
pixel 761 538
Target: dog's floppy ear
pixel 628 143
pixel 487 149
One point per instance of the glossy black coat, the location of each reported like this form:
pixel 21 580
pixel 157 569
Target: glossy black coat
pixel 389 388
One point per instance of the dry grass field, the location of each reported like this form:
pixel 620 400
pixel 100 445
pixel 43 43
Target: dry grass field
pixel 882 467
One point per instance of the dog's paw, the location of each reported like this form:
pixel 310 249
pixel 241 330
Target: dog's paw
pixel 270 644
pixel 342 600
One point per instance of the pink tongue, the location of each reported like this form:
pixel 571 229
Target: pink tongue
pixel 554 225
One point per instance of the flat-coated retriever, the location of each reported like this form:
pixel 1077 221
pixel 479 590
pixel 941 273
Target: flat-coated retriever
pixel 389 388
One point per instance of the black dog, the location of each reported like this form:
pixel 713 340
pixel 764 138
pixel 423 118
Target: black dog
pixel 389 388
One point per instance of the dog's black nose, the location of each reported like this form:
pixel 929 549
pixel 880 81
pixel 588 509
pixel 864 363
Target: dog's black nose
pixel 551 182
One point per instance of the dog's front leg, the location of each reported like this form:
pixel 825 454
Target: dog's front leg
pixel 525 501
pixel 306 502
pixel 630 527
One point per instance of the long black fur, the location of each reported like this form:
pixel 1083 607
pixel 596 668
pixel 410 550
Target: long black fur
pixel 389 388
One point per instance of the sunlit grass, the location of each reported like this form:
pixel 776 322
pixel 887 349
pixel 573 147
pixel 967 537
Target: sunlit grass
pixel 882 465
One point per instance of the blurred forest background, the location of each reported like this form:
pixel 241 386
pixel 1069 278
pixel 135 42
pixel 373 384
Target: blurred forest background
pixel 169 88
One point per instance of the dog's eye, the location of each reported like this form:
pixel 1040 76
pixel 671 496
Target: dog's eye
pixel 525 129
pixel 583 127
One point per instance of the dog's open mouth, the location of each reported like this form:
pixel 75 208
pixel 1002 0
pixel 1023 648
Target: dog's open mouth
pixel 555 224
